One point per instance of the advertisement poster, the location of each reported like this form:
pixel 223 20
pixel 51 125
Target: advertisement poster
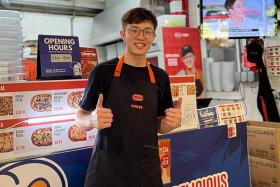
pixel 182 54
pixel 58 57
pixel 88 60
pixel 208 117
pixel 209 157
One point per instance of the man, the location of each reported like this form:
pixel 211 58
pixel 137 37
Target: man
pixel 188 59
pixel 236 11
pixel 132 102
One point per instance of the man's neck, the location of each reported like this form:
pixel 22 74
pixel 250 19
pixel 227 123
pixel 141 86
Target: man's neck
pixel 135 60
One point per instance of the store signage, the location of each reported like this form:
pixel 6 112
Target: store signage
pixel 58 57
pixel 208 157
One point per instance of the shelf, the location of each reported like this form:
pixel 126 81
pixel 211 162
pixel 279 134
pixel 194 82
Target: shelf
pixel 232 95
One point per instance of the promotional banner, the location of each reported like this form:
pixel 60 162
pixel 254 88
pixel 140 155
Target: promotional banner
pixel 66 169
pixel 209 157
pixel 58 57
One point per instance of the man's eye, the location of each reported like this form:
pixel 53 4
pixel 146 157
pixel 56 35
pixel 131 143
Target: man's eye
pixel 134 30
pixel 148 32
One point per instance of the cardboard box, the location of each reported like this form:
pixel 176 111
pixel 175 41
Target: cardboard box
pixel 264 140
pixel 264 172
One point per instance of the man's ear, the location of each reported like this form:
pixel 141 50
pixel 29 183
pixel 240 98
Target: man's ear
pixel 122 34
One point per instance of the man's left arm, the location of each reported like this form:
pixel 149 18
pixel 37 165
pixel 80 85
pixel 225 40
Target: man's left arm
pixel 171 120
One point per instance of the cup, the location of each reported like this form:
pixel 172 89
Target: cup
pixel 215 70
pixel 207 73
pixel 228 69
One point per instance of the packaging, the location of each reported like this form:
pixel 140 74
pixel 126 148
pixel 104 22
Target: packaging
pixel 264 172
pixel 264 140
pixel 165 159
pixel 88 60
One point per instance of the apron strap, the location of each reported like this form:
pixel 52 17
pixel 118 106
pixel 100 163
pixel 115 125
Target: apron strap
pixel 118 69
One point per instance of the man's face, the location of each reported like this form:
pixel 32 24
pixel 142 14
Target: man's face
pixel 237 10
pixel 138 37
pixel 188 60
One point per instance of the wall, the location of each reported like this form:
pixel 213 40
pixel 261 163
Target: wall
pixel 34 24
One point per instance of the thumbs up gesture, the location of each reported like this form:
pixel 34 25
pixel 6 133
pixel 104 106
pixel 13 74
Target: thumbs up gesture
pixel 173 115
pixel 104 116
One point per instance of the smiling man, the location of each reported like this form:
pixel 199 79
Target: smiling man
pixel 129 101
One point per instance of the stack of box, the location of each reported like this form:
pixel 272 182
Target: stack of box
pixel 10 46
pixel 264 153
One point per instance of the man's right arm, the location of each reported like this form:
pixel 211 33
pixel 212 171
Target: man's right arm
pixel 100 118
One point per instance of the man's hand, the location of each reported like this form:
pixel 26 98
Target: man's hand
pixel 104 116
pixel 172 119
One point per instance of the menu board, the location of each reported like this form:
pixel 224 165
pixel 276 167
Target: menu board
pixel 38 118
pixel 58 57
pixel 184 87
pixel 36 99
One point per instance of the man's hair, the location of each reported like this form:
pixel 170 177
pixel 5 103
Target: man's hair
pixel 229 4
pixel 138 15
pixel 186 49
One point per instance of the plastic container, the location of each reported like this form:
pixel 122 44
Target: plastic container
pixel 10 13
pixel 10 41
pixel 10 21
pixel 11 56
pixel 10 48
pixel 10 34
pixel 4 27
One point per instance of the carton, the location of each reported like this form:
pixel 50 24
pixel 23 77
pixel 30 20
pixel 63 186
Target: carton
pixel 264 172
pixel 264 140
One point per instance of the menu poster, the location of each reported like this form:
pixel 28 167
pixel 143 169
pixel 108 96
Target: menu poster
pixel 184 87
pixel 88 60
pixel 58 57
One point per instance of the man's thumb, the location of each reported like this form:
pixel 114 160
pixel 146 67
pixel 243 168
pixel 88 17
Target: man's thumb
pixel 178 104
pixel 100 101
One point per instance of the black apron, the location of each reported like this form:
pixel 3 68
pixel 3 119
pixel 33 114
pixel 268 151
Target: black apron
pixel 126 154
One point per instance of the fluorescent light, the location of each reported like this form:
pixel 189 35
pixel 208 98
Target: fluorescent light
pixel 46 119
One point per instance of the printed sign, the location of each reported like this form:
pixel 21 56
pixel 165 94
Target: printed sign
pixel 58 57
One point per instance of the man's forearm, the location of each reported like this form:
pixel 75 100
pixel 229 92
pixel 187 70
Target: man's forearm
pixel 85 119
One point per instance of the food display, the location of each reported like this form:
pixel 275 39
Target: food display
pixel 6 105
pixel 42 137
pixel 76 134
pixel 6 142
pixel 41 102
pixel 74 98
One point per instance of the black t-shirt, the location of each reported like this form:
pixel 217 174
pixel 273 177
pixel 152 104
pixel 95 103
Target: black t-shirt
pixel 101 77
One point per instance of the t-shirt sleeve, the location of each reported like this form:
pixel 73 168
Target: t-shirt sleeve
pixel 92 91
pixel 164 96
